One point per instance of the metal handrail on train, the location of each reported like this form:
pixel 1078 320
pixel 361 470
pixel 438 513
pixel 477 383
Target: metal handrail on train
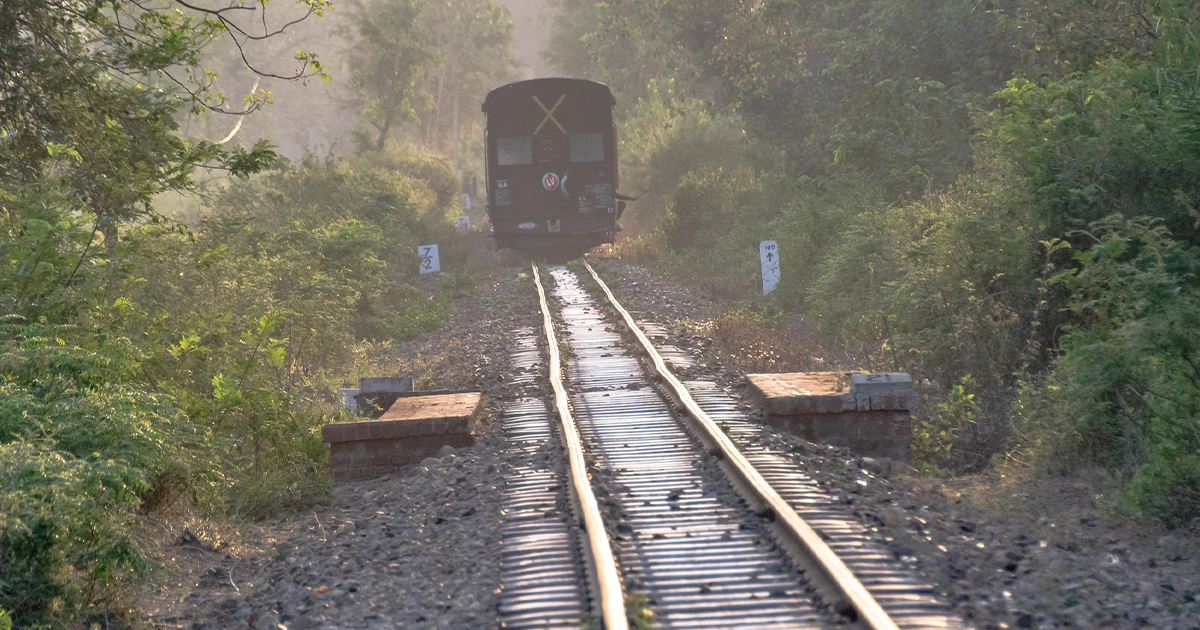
pixel 603 568
pixel 839 587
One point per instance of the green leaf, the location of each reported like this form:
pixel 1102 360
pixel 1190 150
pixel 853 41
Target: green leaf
pixel 123 306
pixel 189 341
pixel 267 324
pixel 223 387
pixel 275 355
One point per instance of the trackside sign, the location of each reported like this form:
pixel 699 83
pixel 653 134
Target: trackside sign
pixel 768 255
pixel 429 259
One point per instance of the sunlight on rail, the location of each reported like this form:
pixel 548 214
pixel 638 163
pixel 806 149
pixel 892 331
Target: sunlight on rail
pixel 602 566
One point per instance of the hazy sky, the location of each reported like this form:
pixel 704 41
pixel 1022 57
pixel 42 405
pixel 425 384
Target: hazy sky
pixel 532 22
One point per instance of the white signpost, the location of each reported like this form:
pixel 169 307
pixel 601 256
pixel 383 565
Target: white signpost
pixel 768 254
pixel 464 224
pixel 429 259
pixel 466 201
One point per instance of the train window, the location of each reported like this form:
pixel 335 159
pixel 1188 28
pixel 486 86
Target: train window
pixel 587 147
pixel 511 151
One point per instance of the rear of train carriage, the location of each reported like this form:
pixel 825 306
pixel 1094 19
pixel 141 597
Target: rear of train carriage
pixel 551 165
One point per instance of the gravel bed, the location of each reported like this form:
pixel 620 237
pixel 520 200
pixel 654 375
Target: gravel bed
pixel 416 549
pixel 420 549
pixel 1009 550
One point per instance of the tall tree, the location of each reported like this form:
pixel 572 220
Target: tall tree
pixel 426 65
pixel 102 80
pixel 629 44
pixel 387 60
pixel 471 43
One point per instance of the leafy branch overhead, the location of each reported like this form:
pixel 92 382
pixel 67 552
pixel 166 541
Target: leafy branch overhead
pixel 168 34
pixel 94 88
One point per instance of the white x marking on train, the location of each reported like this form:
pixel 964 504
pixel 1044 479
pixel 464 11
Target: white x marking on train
pixel 549 114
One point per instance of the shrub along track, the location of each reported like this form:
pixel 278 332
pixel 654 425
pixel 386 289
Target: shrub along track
pixel 691 551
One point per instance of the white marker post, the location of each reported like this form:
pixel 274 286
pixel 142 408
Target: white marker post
pixel 466 201
pixel 464 224
pixel 768 255
pixel 429 259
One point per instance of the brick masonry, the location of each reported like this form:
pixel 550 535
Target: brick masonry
pixel 415 427
pixel 868 413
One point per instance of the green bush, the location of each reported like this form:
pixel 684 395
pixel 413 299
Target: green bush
pixel 666 137
pixel 66 532
pixel 714 225
pixel 907 136
pixel 422 317
pixel 280 284
pixel 82 446
pixel 322 248
pixel 938 288
pixel 1119 138
pixel 1128 382
pixel 194 364
pixel 934 435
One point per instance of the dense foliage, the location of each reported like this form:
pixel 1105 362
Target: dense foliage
pixel 151 366
pixel 999 197
pixel 197 363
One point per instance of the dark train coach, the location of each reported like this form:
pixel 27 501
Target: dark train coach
pixel 551 164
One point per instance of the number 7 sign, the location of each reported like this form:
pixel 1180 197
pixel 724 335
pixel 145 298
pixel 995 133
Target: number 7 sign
pixel 429 259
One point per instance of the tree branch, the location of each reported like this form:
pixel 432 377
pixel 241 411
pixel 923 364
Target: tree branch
pixel 242 118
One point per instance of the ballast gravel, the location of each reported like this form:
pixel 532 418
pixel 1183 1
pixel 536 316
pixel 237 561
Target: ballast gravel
pixel 413 550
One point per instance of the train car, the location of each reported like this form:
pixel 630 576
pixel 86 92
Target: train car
pixel 551 165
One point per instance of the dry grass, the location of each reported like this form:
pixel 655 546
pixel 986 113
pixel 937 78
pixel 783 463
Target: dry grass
pixel 1022 496
pixel 214 556
pixel 439 365
pixel 640 249
pixel 754 346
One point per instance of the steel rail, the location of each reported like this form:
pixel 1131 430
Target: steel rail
pixel 603 568
pixel 838 586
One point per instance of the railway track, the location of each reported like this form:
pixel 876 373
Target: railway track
pixel 688 531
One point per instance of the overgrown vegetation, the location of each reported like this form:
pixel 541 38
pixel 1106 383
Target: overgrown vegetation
pixel 999 198
pixel 195 363
pixel 638 613
pixel 154 365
